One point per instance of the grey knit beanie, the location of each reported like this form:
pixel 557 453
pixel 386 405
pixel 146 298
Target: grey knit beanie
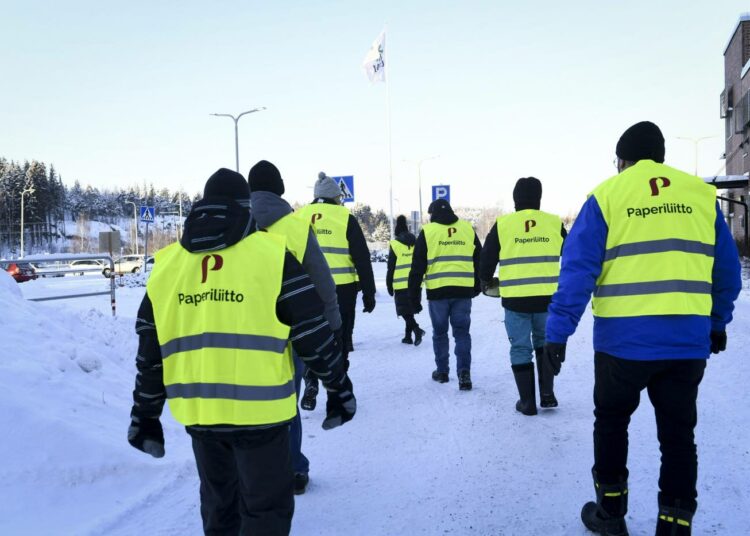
pixel 326 187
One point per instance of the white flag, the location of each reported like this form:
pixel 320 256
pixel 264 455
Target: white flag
pixel 374 62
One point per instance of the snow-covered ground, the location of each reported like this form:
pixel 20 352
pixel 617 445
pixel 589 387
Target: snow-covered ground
pixel 419 458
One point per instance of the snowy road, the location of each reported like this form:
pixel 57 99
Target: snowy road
pixel 419 458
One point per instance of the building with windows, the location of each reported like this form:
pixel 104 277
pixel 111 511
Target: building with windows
pixel 735 110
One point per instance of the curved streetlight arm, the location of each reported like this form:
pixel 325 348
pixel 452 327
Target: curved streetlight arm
pixel 236 133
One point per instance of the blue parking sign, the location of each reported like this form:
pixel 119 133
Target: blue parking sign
pixel 347 187
pixel 148 214
pixel 442 191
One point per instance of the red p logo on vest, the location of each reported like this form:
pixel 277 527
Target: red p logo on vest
pixel 452 231
pixel 528 224
pixel 654 183
pixel 315 217
pixel 218 263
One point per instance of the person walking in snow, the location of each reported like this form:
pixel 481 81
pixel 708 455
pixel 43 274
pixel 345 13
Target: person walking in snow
pixel 345 249
pixel 274 214
pixel 400 254
pixel 214 328
pixel 526 244
pixel 652 245
pixel 446 258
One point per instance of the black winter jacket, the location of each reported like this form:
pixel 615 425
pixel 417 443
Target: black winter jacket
pixel 401 296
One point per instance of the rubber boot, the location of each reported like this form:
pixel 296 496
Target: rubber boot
pixel 674 520
pixel 524 375
pixel 418 334
pixel 407 336
pixel 546 382
pixel 606 516
pixel 309 397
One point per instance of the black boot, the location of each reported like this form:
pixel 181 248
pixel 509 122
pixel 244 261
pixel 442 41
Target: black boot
pixel 674 520
pixel 464 380
pixel 546 382
pixel 606 516
pixel 311 391
pixel 418 334
pixel 407 336
pixel 440 377
pixel 524 375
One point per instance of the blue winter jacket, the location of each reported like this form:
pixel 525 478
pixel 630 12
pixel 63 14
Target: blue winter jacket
pixel 644 337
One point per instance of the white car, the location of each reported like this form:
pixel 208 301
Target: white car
pixel 91 265
pixel 129 264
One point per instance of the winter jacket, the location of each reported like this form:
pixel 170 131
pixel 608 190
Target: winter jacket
pixel 268 208
pixel 419 266
pixel 401 296
pixel 359 251
pixel 639 337
pixel 488 263
pixel 213 226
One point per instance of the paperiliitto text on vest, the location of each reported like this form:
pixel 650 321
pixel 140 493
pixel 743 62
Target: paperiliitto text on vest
pixel 666 208
pixel 214 295
pixel 451 243
pixel 532 240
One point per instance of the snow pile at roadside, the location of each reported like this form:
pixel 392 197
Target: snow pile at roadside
pixel 66 379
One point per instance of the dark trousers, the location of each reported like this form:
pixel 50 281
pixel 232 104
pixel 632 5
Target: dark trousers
pixel 247 487
pixel 411 324
pixel 300 463
pixel 672 386
pixel 347 297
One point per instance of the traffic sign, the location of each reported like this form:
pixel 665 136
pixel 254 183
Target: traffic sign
pixel 147 214
pixel 442 191
pixel 347 187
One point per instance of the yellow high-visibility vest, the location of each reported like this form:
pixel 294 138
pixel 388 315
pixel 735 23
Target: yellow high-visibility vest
pixel 295 227
pixel 225 354
pixel 660 243
pixel 404 255
pixel 329 223
pixel 450 255
pixel 529 263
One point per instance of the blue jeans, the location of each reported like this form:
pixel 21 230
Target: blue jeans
pixel 300 463
pixel 525 332
pixel 457 311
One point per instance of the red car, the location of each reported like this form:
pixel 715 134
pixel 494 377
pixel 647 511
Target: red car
pixel 21 271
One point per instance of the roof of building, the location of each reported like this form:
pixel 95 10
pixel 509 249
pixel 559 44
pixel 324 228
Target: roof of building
pixel 727 182
pixel 744 17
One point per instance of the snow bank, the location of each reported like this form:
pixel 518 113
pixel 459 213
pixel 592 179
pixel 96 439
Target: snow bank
pixel 8 288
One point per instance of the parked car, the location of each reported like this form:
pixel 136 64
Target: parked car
pixel 48 269
pixel 89 265
pixel 21 271
pixel 129 263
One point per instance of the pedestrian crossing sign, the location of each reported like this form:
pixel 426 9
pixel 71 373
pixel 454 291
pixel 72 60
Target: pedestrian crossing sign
pixel 147 214
pixel 347 187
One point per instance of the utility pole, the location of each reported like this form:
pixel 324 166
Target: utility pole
pixel 236 133
pixel 135 226
pixel 419 175
pixel 695 141
pixel 28 190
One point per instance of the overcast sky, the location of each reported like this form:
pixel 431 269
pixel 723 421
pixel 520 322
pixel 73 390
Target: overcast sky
pixel 120 93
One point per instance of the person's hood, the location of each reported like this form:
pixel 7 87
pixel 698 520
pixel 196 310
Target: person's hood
pixel 215 223
pixel 406 238
pixel 268 208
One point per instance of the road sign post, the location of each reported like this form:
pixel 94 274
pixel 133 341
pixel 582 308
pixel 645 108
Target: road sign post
pixel 147 216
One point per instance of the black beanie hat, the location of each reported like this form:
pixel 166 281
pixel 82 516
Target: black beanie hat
pixel 265 177
pixel 439 205
pixel 642 141
pixel 227 183
pixel 527 193
pixel 401 225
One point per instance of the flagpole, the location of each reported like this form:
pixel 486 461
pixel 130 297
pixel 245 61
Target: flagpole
pixel 388 122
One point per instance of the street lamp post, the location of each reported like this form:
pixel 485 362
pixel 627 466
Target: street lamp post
pixel 28 190
pixel 419 175
pixel 135 226
pixel 695 141
pixel 236 132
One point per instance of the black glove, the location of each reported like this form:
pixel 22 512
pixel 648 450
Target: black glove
pixel 147 435
pixel 554 355
pixel 369 302
pixel 390 291
pixel 718 341
pixel 341 405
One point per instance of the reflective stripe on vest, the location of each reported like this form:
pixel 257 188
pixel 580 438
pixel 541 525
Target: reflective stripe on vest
pixel 404 255
pixel 296 229
pixel 530 243
pixel 225 355
pixel 329 223
pixel 450 255
pixel 660 243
